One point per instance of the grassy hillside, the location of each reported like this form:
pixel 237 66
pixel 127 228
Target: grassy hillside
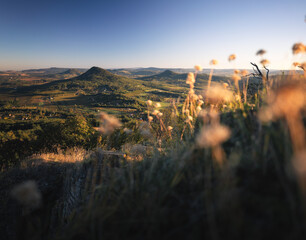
pixel 229 168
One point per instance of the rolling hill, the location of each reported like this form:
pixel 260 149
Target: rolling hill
pixel 179 79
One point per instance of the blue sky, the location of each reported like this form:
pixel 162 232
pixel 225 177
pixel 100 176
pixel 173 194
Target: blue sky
pixel 141 33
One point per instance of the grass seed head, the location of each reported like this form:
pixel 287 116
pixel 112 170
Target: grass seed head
pixel 231 57
pixel 214 62
pixel 213 135
pixel 108 124
pixel 265 62
pixel 244 73
pixel 198 68
pixel 288 100
pixel 261 52
pixel 298 48
pixel 190 78
pixel 217 94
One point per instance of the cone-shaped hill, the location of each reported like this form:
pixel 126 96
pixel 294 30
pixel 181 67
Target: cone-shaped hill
pixel 96 87
pixel 95 79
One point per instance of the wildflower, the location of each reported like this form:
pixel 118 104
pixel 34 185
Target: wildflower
pixel 149 103
pixel 108 124
pixel 264 62
pixel 298 48
pixel 232 57
pixel 213 62
pixel 198 68
pixel 213 135
pixel 260 52
pixel 27 194
pixel 150 118
pixel 217 94
pixel 236 71
pixel 190 78
pixel 157 105
pixel 169 128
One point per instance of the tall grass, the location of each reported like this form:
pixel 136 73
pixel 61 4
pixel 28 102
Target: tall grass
pixel 211 166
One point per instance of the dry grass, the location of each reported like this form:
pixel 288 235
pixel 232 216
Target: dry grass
pixel 72 155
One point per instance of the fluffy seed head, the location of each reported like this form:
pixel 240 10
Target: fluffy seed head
pixel 236 77
pixel 260 52
pixel 214 62
pixel 155 112
pixel 231 57
pixel 200 102
pixel 149 103
pixel 265 62
pixel 169 128
pixel 190 78
pixel 288 100
pixel 150 118
pixel 213 135
pixel 296 64
pixel 244 73
pixel 198 68
pixel 236 71
pixel 298 48
pixel 157 105
pixel 108 124
pixel 218 94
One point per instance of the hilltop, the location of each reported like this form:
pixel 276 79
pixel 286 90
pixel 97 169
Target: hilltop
pixel 171 77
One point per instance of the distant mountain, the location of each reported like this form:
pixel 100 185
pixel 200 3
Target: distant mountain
pixel 52 70
pixel 171 77
pixel 72 71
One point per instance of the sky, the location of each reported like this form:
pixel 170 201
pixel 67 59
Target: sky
pixel 142 33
